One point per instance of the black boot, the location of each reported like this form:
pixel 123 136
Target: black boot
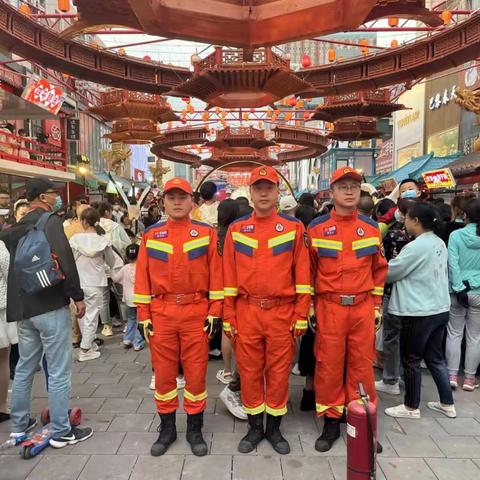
pixel 379 447
pixel 330 433
pixel 274 436
pixel 194 435
pixel 254 436
pixel 168 434
pixel 307 404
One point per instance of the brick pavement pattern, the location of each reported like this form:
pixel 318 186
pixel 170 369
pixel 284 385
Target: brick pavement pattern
pixel 114 396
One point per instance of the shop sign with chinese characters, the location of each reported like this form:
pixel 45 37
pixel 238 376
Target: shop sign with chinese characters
pixel 44 94
pixel 439 179
pixel 440 99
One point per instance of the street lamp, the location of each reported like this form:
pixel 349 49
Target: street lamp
pixel 83 171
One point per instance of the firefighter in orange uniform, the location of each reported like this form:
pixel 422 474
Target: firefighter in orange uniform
pixel 267 297
pixel 349 271
pixel 179 295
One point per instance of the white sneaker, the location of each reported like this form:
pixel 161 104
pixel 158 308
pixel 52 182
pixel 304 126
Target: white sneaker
pixel 224 376
pixel 295 370
pixel 392 389
pixel 152 383
pixel 88 355
pixel 180 382
pixel 95 347
pixel 233 403
pixel 107 331
pixel 448 410
pixel 401 411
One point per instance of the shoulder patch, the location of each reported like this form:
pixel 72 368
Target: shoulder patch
pixel 288 217
pixel 368 220
pixel 155 225
pixel 201 224
pixel 319 220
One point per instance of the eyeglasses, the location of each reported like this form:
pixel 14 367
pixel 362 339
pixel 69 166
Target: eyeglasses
pixel 354 187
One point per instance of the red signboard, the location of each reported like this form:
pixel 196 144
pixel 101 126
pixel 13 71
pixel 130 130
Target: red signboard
pixel 439 178
pixel 384 162
pixel 44 94
pixel 139 175
pixel 53 130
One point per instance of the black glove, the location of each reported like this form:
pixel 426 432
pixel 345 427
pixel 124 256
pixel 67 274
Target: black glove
pixel 462 297
pixel 213 326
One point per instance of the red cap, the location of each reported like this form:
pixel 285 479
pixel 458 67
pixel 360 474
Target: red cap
pixel 178 183
pixel 345 172
pixel 264 173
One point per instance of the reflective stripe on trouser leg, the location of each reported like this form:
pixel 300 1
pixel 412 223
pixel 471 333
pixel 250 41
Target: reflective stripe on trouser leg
pixel 194 355
pixel 165 352
pixel 250 354
pixel 279 352
pixel 330 350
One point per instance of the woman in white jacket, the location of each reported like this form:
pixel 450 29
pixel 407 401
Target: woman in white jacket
pixel 93 253
pixel 8 333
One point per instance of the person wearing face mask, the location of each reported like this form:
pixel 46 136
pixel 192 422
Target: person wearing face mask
pixel 44 323
pixel 394 241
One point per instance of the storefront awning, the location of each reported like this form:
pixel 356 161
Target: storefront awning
pixel 26 170
pixel 466 165
pixel 416 167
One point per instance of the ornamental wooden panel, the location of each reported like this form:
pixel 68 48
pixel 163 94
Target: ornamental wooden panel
pixel 82 56
pixel 445 45
pixel 51 44
pixel 381 66
pixel 23 30
pixel 472 33
pixel 112 65
pixel 414 57
pixel 4 19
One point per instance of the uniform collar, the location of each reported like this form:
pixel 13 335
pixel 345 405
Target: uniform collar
pixel 268 218
pixel 343 218
pixel 178 223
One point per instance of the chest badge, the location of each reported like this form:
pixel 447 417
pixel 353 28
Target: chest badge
pixel 163 234
pixel 247 229
pixel 360 232
pixel 330 231
pixel 279 227
pixel 193 233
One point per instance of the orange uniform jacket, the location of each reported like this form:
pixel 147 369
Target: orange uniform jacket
pixel 178 257
pixel 266 258
pixel 347 255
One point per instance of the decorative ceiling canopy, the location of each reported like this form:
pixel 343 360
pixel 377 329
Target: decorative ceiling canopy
pixel 355 128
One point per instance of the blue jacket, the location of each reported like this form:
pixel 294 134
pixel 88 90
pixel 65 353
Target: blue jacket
pixel 420 278
pixel 464 258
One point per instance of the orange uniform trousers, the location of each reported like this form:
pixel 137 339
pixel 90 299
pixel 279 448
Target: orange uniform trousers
pixel 264 347
pixel 344 350
pixel 178 336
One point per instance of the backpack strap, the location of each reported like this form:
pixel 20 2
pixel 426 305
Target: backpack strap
pixel 42 221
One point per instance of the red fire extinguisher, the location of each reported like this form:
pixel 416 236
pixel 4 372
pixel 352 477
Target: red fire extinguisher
pixel 361 438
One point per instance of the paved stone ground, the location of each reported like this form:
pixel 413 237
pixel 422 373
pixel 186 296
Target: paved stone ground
pixel 114 396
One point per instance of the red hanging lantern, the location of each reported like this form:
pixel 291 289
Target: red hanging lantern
pixel 252 110
pixel 393 22
pixel 332 54
pixel 288 116
pixel 300 103
pixel 306 116
pixel 147 58
pixel 64 5
pixel 183 120
pixel 306 61
pixel 186 99
pixel 206 116
pixel 25 9
pixel 122 52
pixel 292 102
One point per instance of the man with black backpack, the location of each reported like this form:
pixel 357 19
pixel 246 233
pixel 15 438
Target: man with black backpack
pixel 42 279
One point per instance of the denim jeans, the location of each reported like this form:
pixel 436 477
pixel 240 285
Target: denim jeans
pixel 132 334
pixel 392 324
pixel 47 334
pixel 461 319
pixel 422 337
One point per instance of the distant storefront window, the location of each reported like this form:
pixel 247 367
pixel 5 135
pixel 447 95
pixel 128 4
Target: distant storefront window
pixel 405 154
pixel 444 143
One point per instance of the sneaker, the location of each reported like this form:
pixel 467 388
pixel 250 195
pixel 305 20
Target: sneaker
pixel 470 384
pixel 215 353
pixel 127 344
pixel 32 423
pixel 423 365
pixel 88 355
pixel 75 344
pixel 107 331
pixel 99 342
pixel 233 402
pixel 95 347
pixel 75 435
pixel 392 389
pixel 453 379
pixel 401 411
pixel 139 348
pixel 152 383
pixel 124 329
pixel 447 410
pixel 295 370
pixel 224 376
pixel 180 382
pixel 116 322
